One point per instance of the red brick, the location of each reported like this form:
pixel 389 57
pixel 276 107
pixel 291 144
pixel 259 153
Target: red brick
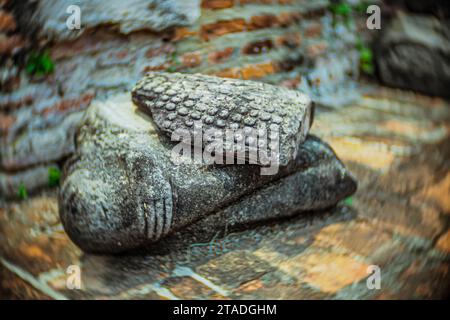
pixel 154 68
pixel 443 242
pixel 8 45
pixel 217 4
pixel 69 104
pixel 221 55
pixel 291 83
pixel 155 52
pixel 315 13
pixel 5 122
pixel 316 49
pixel 233 73
pixel 221 28
pixel 292 40
pixel 258 47
pixel 314 30
pixel 256 71
pixel 7 21
pixel 262 21
pixel 287 18
pixel 191 59
pixel 183 33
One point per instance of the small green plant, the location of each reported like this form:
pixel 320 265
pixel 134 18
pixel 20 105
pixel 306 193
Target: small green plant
pixel 39 64
pixel 343 10
pixel 174 63
pixel 348 201
pixel 365 58
pixel 362 6
pixel 22 193
pixel 54 175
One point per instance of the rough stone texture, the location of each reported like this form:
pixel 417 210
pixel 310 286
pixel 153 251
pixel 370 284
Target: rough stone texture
pixel 408 239
pixel 176 101
pixel 50 16
pixel 122 189
pixel 413 53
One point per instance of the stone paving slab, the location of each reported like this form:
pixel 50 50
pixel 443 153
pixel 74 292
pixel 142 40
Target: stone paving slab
pixel 396 143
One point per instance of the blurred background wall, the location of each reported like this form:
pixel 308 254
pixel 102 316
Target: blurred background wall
pixel 50 74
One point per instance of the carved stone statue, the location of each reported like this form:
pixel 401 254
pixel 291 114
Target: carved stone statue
pixel 123 189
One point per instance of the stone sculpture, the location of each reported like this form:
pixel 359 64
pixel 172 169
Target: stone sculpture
pixel 122 189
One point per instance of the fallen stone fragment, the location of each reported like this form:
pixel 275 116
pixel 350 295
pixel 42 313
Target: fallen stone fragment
pixel 413 53
pixel 121 189
pixel 178 101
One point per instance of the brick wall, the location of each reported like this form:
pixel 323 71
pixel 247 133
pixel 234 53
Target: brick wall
pixel 291 43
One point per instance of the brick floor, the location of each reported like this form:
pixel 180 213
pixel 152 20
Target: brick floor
pixel 396 143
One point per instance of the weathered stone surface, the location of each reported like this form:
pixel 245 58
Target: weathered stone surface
pixel 175 101
pixel 51 15
pixel 122 189
pixel 413 54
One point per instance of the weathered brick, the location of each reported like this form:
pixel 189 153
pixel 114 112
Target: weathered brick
pixel 425 279
pixel 217 4
pixel 13 287
pixel 9 45
pixel 69 105
pixel 439 193
pixel 221 28
pixel 155 68
pixel 234 268
pixel 286 19
pixel 183 33
pixel 291 83
pixel 256 71
pixel 253 71
pixel 191 59
pixel 159 51
pixel 327 271
pixel 258 47
pixel 234 73
pixel 262 21
pixel 313 31
pixel 7 22
pixel 370 154
pixel 188 288
pixel 46 247
pixel 316 49
pixel 396 214
pixel 443 242
pixel 221 55
pixel 315 13
pixel 373 244
pixel 292 40
pixel 5 122
pixel 289 64
pixel 82 45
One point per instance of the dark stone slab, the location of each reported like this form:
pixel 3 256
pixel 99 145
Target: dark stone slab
pixel 413 53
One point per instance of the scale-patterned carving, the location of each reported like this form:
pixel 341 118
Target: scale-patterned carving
pixel 178 101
